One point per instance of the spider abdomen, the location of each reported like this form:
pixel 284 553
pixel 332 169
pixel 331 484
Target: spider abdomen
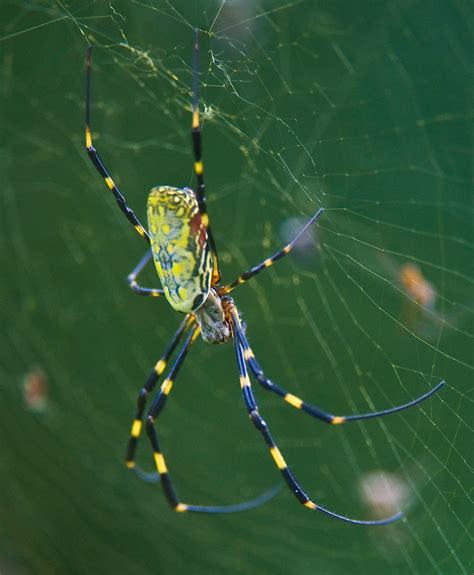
pixel 180 247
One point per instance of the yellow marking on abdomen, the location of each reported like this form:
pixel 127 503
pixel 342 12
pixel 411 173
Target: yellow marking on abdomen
pixel 293 400
pixel 198 168
pixel 110 183
pixel 178 268
pixel 160 366
pixel 267 263
pixel 181 507
pixel 130 464
pixel 179 243
pixel 310 505
pixel 160 463
pixel 278 457
pixel 136 428
pixel 182 291
pixel 338 420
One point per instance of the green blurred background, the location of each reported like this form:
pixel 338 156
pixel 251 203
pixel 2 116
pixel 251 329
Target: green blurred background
pixel 363 108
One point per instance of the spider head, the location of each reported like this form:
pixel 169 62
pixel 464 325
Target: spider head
pixel 212 320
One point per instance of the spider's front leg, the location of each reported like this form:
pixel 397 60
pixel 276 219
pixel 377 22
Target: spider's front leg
pixel 312 410
pixel 260 424
pixel 150 384
pixel 160 463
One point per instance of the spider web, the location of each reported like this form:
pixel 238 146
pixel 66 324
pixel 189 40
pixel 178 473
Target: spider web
pixel 362 108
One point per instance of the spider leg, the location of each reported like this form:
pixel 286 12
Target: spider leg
pixel 198 164
pixel 252 408
pixel 150 384
pixel 298 403
pixel 99 164
pixel 132 277
pixel 271 260
pixel 161 467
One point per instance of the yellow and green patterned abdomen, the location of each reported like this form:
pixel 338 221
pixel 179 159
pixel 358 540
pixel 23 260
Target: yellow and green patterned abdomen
pixel 180 247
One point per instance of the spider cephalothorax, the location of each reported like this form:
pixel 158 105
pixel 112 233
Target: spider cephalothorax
pixel 212 320
pixel 185 257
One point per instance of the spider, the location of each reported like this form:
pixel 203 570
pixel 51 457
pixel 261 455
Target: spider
pixel 183 250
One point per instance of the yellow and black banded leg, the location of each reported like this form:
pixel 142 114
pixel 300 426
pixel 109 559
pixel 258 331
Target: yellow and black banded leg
pixel 99 164
pixel 199 166
pixel 252 408
pixel 271 260
pixel 298 403
pixel 132 278
pixel 150 384
pixel 161 467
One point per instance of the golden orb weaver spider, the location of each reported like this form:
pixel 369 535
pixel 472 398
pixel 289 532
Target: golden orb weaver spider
pixel 185 257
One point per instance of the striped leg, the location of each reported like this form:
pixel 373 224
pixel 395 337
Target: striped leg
pixel 99 164
pixel 132 277
pixel 276 454
pixel 168 487
pixel 198 165
pixel 143 395
pixel 271 260
pixel 295 401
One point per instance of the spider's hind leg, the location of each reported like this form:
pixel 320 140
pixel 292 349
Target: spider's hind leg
pixel 99 163
pixel 198 163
